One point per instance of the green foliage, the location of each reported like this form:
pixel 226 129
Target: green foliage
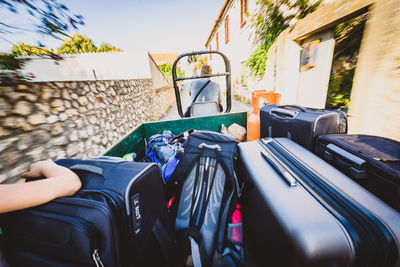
pixel 200 61
pixel 10 69
pixel 79 43
pixel 8 62
pixel 274 17
pixel 22 49
pixel 167 70
pixel 104 47
pixel 343 28
pixel 14 76
pixel 257 60
pixel 339 89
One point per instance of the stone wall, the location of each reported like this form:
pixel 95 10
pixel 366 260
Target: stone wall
pixel 71 119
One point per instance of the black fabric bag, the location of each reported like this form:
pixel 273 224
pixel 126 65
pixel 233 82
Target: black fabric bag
pixel 372 161
pixel 207 191
pixel 118 218
pixel 301 211
pixel 300 124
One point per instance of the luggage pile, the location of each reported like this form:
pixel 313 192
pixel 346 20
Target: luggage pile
pixel 305 194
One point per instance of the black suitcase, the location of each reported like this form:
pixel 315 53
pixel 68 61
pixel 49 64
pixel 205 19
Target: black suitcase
pixel 372 161
pixel 300 124
pixel 301 211
pixel 118 218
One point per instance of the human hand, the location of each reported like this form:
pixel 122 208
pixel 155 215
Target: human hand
pixel 63 181
pixel 36 169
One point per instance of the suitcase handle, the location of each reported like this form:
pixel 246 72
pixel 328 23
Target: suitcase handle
pixel 89 168
pixel 357 170
pixel 303 109
pixel 282 113
pixel 289 179
pixel 216 146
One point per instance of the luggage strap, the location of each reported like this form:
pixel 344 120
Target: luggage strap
pixel 198 93
pixel 195 252
pixel 164 241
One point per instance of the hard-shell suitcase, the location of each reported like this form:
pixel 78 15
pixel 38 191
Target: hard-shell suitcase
pixel 372 161
pixel 116 219
pixel 300 124
pixel 301 211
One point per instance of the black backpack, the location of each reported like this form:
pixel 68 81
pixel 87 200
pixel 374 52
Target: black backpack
pixel 207 191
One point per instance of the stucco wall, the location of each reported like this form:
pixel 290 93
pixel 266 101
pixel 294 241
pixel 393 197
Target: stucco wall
pixel 313 82
pixel 90 67
pixel 71 119
pixel 375 98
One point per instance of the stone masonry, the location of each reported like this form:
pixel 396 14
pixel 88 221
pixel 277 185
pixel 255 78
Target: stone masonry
pixel 53 120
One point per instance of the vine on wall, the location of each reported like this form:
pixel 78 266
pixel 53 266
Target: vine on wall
pixel 272 18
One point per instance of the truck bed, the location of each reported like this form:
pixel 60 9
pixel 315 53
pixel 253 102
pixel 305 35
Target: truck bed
pixel 135 140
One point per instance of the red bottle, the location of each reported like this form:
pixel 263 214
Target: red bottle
pixel 236 230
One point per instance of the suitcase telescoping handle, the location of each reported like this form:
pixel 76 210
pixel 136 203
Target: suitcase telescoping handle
pixel 282 113
pixel 86 167
pixel 289 179
pixel 334 153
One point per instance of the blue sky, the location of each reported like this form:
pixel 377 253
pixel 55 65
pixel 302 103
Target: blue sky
pixel 157 26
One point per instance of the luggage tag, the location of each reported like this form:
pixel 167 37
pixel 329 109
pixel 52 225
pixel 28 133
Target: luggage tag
pixel 137 213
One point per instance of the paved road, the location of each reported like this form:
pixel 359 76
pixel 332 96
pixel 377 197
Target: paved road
pixel 172 113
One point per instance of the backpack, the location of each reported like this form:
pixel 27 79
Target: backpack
pixel 166 149
pixel 207 192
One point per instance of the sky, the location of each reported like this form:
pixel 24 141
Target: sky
pixel 157 26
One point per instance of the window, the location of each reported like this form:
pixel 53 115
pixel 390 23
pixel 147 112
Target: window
pixel 244 4
pixel 227 29
pixel 217 41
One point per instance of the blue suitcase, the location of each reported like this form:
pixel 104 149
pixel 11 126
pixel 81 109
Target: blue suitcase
pixel 118 218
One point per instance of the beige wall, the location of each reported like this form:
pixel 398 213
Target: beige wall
pixel 375 99
pixel 159 80
pixel 313 82
pixel 81 67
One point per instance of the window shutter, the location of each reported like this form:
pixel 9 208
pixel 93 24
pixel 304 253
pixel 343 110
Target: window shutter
pixel 227 29
pixel 243 9
pixel 217 41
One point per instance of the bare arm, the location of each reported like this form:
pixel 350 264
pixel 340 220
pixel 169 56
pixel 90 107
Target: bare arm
pixel 60 182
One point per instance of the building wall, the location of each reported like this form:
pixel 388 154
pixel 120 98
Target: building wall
pixel 159 80
pixel 90 67
pixel 81 119
pixel 375 99
pixel 240 44
pixel 313 82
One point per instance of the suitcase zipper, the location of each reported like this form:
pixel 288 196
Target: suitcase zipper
pixel 97 259
pixel 374 243
pixel 91 203
pixel 79 223
pixel 115 201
